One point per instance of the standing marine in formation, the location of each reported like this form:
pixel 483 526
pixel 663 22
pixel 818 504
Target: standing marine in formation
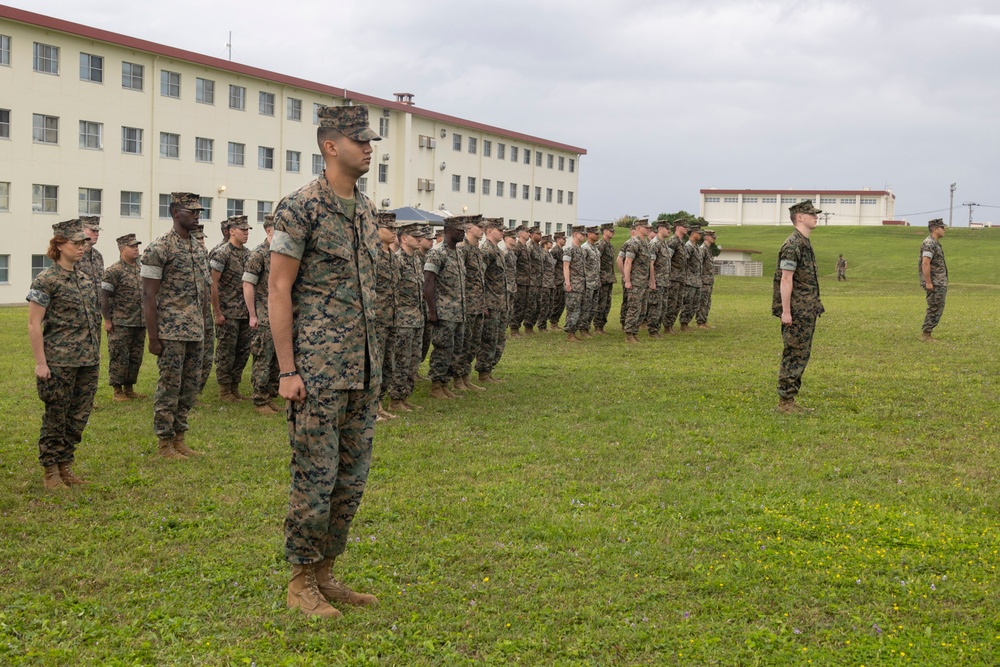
pixel 121 305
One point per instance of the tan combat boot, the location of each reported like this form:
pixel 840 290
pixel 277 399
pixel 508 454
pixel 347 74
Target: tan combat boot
pixel 181 447
pixel 68 478
pixel 411 406
pixel 467 382
pixel 685 328
pixel 438 391
pixel 599 331
pixel 304 593
pixel 583 334
pixel 235 389
pixel 514 333
pixel 165 449
pixel 458 385
pixel 226 394
pixel 397 405
pixel 705 326
pixel 130 392
pixel 486 378
pixel 630 338
pixel 119 394
pixel 383 413
pixel 571 338
pixel 53 480
pixel 927 338
pixel 788 406
pixel 528 330
pixel 265 409
pixel 669 330
pixel 336 592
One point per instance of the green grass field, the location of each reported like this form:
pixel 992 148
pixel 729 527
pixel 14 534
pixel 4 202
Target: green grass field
pixel 607 505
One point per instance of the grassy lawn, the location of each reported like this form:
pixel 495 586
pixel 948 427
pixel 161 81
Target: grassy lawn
pixel 607 505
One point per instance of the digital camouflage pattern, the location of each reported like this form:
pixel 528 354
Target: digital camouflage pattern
pixel 797 339
pixel 386 282
pixel 707 284
pixel 656 302
pixel 178 386
pixel 576 257
pixel 536 267
pixel 123 286
pixel 637 250
pixel 593 271
pixel 447 338
pixel 931 249
pixel 547 294
pixel 257 272
pixel 495 320
pixel 264 371
pixel 180 266
pixel 92 266
pixel 230 262
pixel 797 255
pixel 68 396
pixel 126 348
pixel 410 290
pixel 935 307
pixel 407 346
pixel 692 283
pixel 475 306
pixel 559 294
pixel 71 326
pixel 449 294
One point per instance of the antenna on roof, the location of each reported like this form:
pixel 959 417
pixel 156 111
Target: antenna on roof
pixel 229 46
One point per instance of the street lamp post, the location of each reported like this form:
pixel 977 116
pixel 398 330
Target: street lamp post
pixel 951 203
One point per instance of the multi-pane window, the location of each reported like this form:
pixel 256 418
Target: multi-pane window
pixel 572 165
pixel 869 200
pixel 170 83
pixel 265 158
pixel 753 200
pixel 170 145
pixel 91 68
pixel 4 268
pixel 548 195
pixel 562 163
pixel 38 264
pixel 132 140
pixel 164 206
pixel 822 200
pixel 363 184
pixel 203 149
pixel 4 123
pixel 237 97
pixel 768 200
pixel 237 154
pixel 132 75
pixel 318 164
pixel 525 192
pixel 263 209
pixel 538 158
pixel 45 58
pixel 293 161
pixel 473 147
pixel 730 200
pixel 4 50
pixel 513 190
pixel 383 127
pixel 204 90
pixel 792 200
pixel 500 189
pixel 44 129
pixel 266 103
pixel 383 173
pixel 513 153
pixel 234 207
pixel 569 197
pixel 487 148
pixel 4 195
pixel 850 201
pixel 472 185
pixel 486 186
pixel 549 160
pixel 294 109
pixel 559 197
pixel 131 204
pixel 90 201
pixel 527 156
pixel 44 198
pixel 91 135
pixel 456 183
pixel 206 208
pixel 501 151
pixel 711 200
pixel 456 141
pixel 538 193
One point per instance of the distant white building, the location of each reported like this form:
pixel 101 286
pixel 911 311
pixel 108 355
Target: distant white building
pixel 770 207
pixel 738 262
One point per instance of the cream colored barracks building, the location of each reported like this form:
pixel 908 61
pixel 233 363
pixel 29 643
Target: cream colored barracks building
pixel 94 122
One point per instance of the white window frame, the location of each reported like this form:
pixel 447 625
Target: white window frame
pixel 91 68
pixel 501 189
pixel 170 84
pixel 318 164
pixel 513 190
pixel 236 150
pixel 87 202
pixel 293 161
pixel 264 208
pixel 294 109
pixel 44 198
pixel 235 207
pixel 456 183
pixel 265 158
pixel 487 148
pixel 135 73
pixel 383 173
pixel 471 185
pixel 204 90
pixel 514 154
pixel 132 138
pixel 44 129
pixel 5 50
pixel 131 204
pixel 383 127
pixel 237 97
pixel 456 141
pixel 170 145
pixel 501 151
pixel 45 58
pixel 204 149
pixel 265 103
pixel 4 195
pixel 91 135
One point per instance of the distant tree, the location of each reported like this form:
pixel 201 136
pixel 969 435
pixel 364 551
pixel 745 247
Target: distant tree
pixel 624 221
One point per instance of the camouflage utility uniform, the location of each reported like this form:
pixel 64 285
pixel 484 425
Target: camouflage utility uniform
pixel 796 255
pixel 233 348
pixel 931 248
pixel 707 283
pixel 536 265
pixel 386 281
pixel 576 257
pixel 264 372
pixel 558 293
pixel 448 333
pixel 522 254
pixel 548 292
pixel 656 303
pixel 638 250
pixel 71 334
pixel 409 323
pixel 475 307
pixel 679 253
pixel 126 342
pixel 91 265
pixel 593 271
pixel 510 278
pixel 692 283
pixel 607 253
pixel 495 320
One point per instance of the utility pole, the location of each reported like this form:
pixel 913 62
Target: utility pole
pixel 826 217
pixel 229 46
pixel 970 204
pixel 951 203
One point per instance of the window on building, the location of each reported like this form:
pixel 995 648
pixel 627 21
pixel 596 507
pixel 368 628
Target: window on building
pixel 527 156
pixel 46 58
pixel 848 201
pixel 472 185
pixel 4 50
pixel 513 153
pixel 204 91
pixel 265 157
pixel 4 195
pixel 486 186
pixel 513 190
pixel 711 200
pixel 749 200
pixel 549 160
pixel 562 163
pixel 318 164
pixel 473 147
pixel 538 193
pixel 383 127
pixel 131 204
pixel 789 200
pixel 132 140
pixel 132 75
pixel 559 196
pixel 4 269
pixel 234 207
pixel 548 195
pixel 237 97
pixel 236 154
pixel 868 201
pixel 44 129
pixel 730 200
pixel 170 145
pixel 44 198
pixel 526 192
pixel 294 108
pixel 822 200
pixel 38 264
pixel 487 148
pixel 203 149
pixel 170 83
pixel 263 209
pixel 768 200
pixel 572 165
pixel 4 123
pixel 569 197
pixel 164 207
pixel 293 161
pixel 266 103
pixel 456 183
pixel 90 201
pixel 500 189
pixel 456 141
pixel 316 108
pixel 501 151
pixel 383 173
pixel 548 227
pixel 91 68
pixel 363 184
pixel 91 135
pixel 206 208
pixel 538 158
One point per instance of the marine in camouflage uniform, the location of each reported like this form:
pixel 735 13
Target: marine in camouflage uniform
pixel 795 299
pixel 64 325
pixel 659 259
pixel 692 278
pixel 558 293
pixel 593 269
pixel 536 265
pixel 620 261
pixel 208 353
pixel 495 283
pixel 607 253
pixel 678 265
pixel 426 243
pixel 638 278
pixel 92 263
pixel 933 276
pixel 386 281
pixel 444 292
pixel 475 301
pixel 409 317
pixel 264 371
pixel 522 254
pixel 708 253
pixel 232 320
pixel 841 268
pixel 121 305
pixel 574 281
pixel 547 295
pixel 174 279
pixel 510 277
pixel 322 310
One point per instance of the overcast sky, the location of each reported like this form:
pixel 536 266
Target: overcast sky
pixel 667 97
